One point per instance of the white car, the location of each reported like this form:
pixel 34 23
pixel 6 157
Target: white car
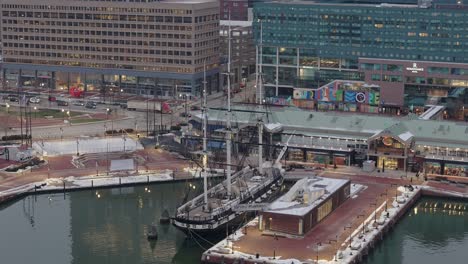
pixel 35 100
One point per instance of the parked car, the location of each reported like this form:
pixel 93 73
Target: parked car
pixel 13 98
pixel 52 98
pixel 194 108
pixel 62 103
pixel 35 100
pixel 78 103
pixel 90 105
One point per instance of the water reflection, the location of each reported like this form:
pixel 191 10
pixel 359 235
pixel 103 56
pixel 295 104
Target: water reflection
pixel 434 231
pixel 105 226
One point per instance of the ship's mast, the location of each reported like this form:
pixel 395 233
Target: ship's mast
pixel 259 67
pixel 228 124
pixel 260 101
pixel 205 151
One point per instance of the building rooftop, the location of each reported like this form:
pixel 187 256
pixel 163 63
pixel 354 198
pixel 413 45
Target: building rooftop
pixel 400 4
pixel 348 125
pixel 305 195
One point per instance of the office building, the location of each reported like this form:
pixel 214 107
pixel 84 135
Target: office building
pixel 242 51
pixel 144 47
pixel 416 52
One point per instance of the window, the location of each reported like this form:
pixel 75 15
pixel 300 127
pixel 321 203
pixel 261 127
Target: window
pixel 370 66
pixel 375 77
pixel 392 78
pixel 324 210
pixel 438 70
pixel 392 67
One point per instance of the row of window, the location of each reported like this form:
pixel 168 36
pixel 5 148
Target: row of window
pixel 77 41
pixel 98 9
pixel 53 55
pixel 420 80
pixel 399 68
pixel 48 24
pixel 112 17
pixel 89 33
pixel 114 65
pixel 128 49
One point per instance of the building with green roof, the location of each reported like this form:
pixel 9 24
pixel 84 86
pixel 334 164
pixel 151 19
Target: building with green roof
pixel 401 143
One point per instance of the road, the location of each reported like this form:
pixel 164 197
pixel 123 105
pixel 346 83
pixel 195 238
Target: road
pixel 134 120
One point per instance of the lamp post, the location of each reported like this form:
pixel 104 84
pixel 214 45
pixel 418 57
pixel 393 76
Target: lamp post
pixel 63 114
pixel 375 213
pixel 350 234
pixel 77 150
pixel 363 222
pixel 61 133
pixel 8 108
pixel 185 96
pixel 317 257
pixel 386 198
pixel 35 112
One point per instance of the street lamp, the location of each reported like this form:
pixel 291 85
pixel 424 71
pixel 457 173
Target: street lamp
pixel 77 150
pixel 185 96
pixel 35 112
pixel 61 133
pixel 8 108
pixel 375 213
pixel 386 198
pixel 63 114
pixel 318 245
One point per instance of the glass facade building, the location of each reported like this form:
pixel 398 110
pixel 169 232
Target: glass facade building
pixel 141 46
pixel 307 44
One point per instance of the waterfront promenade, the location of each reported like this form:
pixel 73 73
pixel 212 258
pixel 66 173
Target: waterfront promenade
pixel 333 234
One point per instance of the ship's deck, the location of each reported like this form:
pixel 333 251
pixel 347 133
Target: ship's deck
pixel 200 212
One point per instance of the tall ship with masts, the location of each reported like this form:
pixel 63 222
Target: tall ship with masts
pixel 221 206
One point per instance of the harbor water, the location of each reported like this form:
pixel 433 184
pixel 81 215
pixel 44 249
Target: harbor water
pixel 434 231
pixel 110 225
pixel 96 227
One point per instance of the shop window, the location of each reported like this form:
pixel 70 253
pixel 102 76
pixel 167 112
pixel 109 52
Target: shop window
pixel 462 83
pixel 438 81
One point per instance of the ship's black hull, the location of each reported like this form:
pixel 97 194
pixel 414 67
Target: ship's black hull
pixel 232 224
pixel 220 231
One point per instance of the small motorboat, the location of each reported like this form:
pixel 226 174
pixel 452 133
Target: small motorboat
pixel 165 219
pixel 152 233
